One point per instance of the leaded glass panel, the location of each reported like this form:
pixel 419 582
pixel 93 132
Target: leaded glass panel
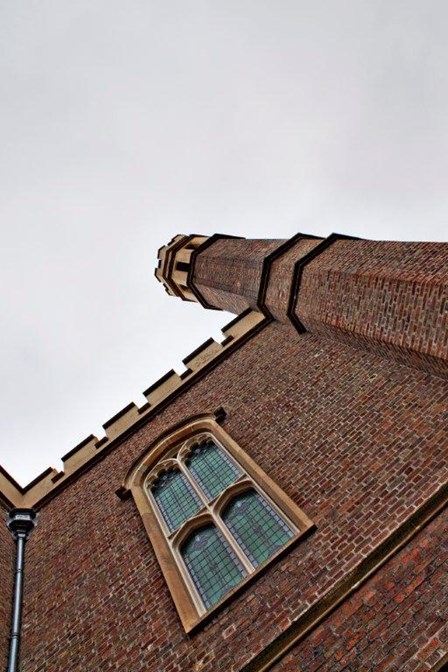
pixel 175 498
pixel 212 564
pixel 256 526
pixel 212 468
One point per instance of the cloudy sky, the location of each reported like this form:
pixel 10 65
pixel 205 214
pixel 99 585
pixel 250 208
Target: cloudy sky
pixel 124 123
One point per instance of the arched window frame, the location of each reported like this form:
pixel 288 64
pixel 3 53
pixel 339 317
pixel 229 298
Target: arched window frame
pixel 170 451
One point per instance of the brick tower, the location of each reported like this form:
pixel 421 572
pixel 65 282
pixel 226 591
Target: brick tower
pixel 389 298
pixel 281 505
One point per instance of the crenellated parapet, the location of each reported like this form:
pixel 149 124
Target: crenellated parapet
pixel 174 262
pixel 208 355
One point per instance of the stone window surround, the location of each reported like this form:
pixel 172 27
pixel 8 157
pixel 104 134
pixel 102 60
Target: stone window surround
pixel 166 545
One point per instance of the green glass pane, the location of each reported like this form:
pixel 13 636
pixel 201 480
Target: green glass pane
pixel 212 564
pixel 256 526
pixel 212 468
pixel 175 498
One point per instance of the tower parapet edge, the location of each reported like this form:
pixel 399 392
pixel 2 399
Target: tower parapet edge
pixel 174 264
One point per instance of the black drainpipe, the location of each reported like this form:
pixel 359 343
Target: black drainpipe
pixel 21 523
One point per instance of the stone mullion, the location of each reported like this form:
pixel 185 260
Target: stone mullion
pixel 248 566
pixel 193 483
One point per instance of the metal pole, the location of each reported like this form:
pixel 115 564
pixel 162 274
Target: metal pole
pixel 21 523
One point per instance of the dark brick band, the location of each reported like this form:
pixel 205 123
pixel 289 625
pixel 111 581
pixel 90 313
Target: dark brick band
pixel 298 270
pixel 267 263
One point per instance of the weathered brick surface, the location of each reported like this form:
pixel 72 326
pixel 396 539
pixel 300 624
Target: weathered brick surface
pixel 398 621
pixel 281 277
pixel 228 272
pixel 6 568
pixel 357 442
pixel 388 297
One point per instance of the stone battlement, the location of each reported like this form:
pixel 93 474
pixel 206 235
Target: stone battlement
pixel 171 384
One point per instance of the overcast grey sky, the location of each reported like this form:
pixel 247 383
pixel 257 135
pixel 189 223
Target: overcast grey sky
pixel 124 123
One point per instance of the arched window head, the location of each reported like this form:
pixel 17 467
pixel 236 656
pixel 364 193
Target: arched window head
pixel 174 496
pixel 214 517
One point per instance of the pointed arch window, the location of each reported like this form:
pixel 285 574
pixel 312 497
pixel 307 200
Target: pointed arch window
pixel 210 508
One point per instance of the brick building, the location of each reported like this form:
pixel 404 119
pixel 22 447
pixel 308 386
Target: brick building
pixel 321 417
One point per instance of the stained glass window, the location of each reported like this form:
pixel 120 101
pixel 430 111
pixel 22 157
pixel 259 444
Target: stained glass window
pixel 212 564
pixel 212 468
pixel 256 526
pixel 175 498
pixel 214 517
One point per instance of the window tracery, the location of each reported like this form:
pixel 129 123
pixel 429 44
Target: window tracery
pixel 210 508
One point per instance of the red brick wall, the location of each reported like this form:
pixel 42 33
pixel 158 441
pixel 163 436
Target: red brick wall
pixel 228 272
pixel 355 441
pixel 281 276
pixel 6 569
pixel 388 297
pixel 397 621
